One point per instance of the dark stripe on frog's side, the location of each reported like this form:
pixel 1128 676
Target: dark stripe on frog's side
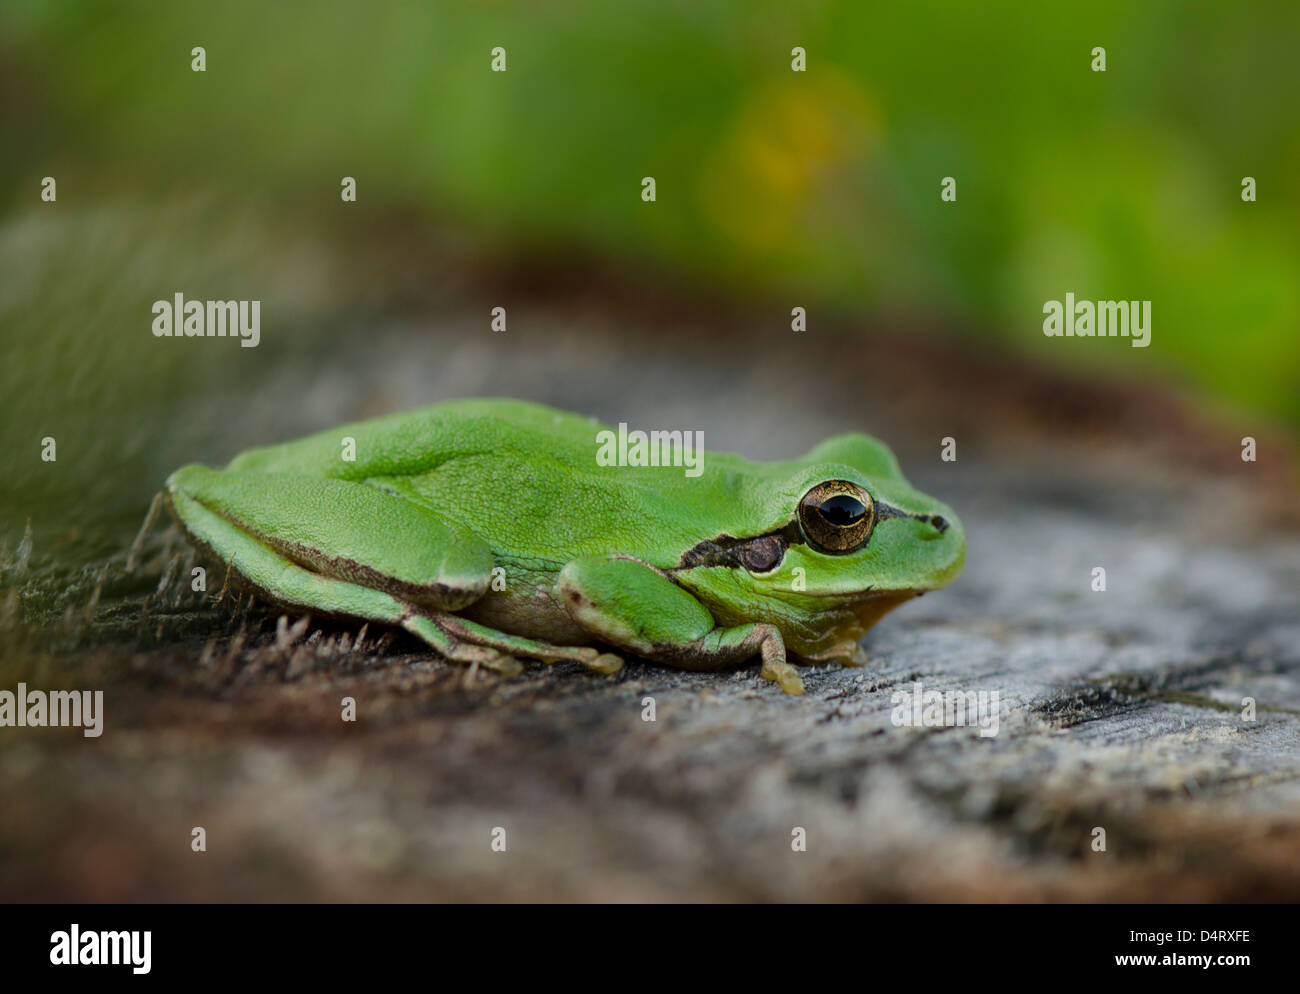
pixel 758 554
pixel 765 552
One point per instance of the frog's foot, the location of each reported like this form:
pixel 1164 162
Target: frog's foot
pixel 781 672
pixel 847 653
pixel 453 649
pixel 471 633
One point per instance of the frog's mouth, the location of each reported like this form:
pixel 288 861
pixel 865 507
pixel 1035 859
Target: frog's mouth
pixel 764 553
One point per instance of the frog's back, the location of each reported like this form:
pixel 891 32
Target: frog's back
pixel 414 442
pixel 525 477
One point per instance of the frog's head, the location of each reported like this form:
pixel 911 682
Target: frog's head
pixel 847 539
pixel 863 527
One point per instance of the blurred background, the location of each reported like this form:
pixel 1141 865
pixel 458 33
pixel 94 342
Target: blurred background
pixel 775 189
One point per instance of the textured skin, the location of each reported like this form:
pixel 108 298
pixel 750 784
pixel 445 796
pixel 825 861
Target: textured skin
pixel 438 496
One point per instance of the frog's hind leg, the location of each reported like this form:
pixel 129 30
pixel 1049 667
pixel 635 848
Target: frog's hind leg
pixel 285 582
pixel 474 633
pixel 341 548
pixel 335 529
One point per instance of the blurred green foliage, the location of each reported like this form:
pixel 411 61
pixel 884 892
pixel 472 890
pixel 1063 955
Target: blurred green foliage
pixel 819 188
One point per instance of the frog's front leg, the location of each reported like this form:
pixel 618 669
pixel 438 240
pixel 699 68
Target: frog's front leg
pixel 341 548
pixel 634 606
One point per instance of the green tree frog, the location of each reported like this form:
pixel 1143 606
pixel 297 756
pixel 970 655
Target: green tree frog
pixel 489 529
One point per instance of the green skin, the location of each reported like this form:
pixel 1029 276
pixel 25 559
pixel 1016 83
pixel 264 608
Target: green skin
pixel 646 560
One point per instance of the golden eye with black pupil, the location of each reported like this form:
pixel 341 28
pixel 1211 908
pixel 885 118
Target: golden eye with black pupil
pixel 836 517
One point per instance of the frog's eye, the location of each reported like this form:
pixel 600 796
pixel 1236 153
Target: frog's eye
pixel 837 516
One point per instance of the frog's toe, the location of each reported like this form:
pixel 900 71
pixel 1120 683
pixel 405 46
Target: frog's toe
pixel 784 674
pixel 500 662
pixel 485 656
pixel 606 662
pixel 855 657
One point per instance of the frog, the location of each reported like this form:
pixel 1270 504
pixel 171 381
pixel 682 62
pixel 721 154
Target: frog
pixel 489 529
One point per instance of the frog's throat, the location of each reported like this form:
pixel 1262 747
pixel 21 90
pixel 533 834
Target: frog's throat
pixel 843 624
pixel 762 553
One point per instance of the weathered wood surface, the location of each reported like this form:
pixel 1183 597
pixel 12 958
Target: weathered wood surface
pixel 1120 710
